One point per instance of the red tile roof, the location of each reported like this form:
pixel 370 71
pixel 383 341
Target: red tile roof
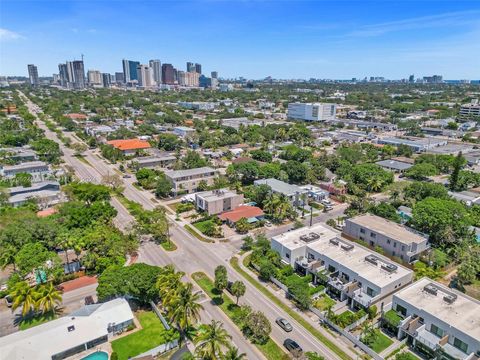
pixel 243 211
pixel 76 116
pixel 46 212
pixel 129 144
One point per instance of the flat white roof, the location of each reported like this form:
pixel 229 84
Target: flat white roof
pixel 174 174
pixel 53 337
pixel 388 228
pixel 291 239
pixel 219 194
pixel 463 313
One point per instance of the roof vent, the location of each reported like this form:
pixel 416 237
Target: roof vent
pixel 372 259
pixel 347 247
pixel 334 241
pixel 450 298
pixel 389 267
pixel 431 289
pixel 71 328
pixel 309 237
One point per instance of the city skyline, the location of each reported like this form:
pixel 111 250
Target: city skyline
pixel 251 39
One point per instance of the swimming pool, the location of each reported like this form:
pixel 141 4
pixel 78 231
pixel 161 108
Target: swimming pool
pixel 98 355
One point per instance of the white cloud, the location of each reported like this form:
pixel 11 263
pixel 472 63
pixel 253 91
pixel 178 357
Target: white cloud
pixel 8 35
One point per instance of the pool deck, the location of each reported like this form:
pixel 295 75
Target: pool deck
pixel 105 347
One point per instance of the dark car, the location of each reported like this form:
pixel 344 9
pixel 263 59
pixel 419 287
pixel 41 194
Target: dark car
pixel 8 301
pixel 284 324
pixel 229 286
pixel 293 347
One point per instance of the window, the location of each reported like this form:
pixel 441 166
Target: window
pixel 287 255
pixel 370 292
pixel 373 235
pixel 401 310
pixel 459 344
pixel 403 247
pixel 388 241
pixel 362 231
pixel 395 244
pixel 434 329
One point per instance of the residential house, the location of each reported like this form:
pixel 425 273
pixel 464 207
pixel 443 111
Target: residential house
pixel 251 213
pixel 58 339
pixel 217 201
pixel 394 239
pixel 129 146
pixel 351 272
pixel 39 170
pixel 394 165
pixel 18 154
pixel 294 193
pixel 438 321
pixel 46 193
pixel 183 131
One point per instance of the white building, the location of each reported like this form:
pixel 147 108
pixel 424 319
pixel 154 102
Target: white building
pixel 470 110
pixel 439 320
pixel 145 76
pixel 39 170
pixel 69 335
pixel 183 131
pixel 156 66
pixel 353 272
pixel 94 77
pixel 312 111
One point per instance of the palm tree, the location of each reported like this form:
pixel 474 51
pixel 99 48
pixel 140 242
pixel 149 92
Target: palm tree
pixel 232 354
pixel 48 298
pixel 168 282
pixel 25 296
pixel 210 341
pixel 184 308
pixel 7 257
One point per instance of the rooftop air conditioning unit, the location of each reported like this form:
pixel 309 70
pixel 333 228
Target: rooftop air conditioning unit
pixel 334 241
pixel 347 247
pixel 450 298
pixel 431 289
pixel 389 267
pixel 371 259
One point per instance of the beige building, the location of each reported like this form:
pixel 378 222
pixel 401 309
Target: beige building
pixel 217 201
pixel 188 180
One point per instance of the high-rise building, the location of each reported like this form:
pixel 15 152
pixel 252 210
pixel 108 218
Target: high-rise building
pixel 70 74
pixel 435 79
pixel 312 112
pixel 214 74
pixel 119 77
pixel 192 79
pixel 63 74
pixel 190 67
pixel 198 68
pixel 145 76
pixel 168 74
pixel 130 70
pixel 33 75
pixel 106 80
pixel 156 66
pixel 78 74
pixel 411 78
pixel 181 78
pixel 94 77
pixel 205 82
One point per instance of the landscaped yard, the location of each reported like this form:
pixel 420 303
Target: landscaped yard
pixel 152 334
pixel 348 318
pixel 324 302
pixel 380 342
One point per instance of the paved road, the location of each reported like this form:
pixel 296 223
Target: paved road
pixel 193 255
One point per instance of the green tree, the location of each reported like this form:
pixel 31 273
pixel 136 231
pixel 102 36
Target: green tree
pixel 221 277
pixel 267 270
pixel 210 341
pixel 185 308
pixel 33 256
pixel 88 192
pixel 457 167
pixel 48 297
pixel 234 354
pixel 238 289
pixel 47 150
pixel 258 327
pixel 25 296
pixel 242 226
pixel 421 171
pixel 164 186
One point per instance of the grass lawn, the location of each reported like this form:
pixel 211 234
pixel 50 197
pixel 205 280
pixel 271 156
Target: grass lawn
pixel 270 349
pixel 168 245
pixel 153 334
pixel 30 322
pixel 381 342
pixel 204 225
pixel 327 342
pixel 324 302
pixel 197 235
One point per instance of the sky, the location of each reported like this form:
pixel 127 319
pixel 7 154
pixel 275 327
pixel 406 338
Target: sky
pixel 250 38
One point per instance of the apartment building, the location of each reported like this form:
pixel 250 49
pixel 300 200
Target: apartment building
pixel 395 239
pixel 38 169
pixel 439 321
pixel 183 131
pixel 46 193
pixel 470 110
pixel 157 161
pixel 217 201
pixel 292 192
pixel 312 111
pixel 351 272
pixel 18 154
pixel 187 181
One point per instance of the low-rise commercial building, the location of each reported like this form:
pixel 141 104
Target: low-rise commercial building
pixel 351 272
pixel 156 161
pixel 39 170
pixel 311 111
pixel 417 145
pixel 18 154
pixel 394 165
pixel 183 131
pixel 292 192
pixel 470 110
pixel 395 239
pixel 235 123
pixel 217 201
pixel 69 335
pixel 187 181
pixel 439 321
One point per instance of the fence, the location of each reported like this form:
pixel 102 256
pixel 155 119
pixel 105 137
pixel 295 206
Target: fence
pixel 163 348
pixel 160 316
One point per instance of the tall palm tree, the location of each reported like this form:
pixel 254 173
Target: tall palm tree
pixel 184 308
pixel 168 283
pixel 25 296
pixel 210 341
pixel 232 354
pixel 48 298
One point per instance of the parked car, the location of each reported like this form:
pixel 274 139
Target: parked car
pixel 89 300
pixel 8 301
pixel 127 176
pixel 293 347
pixel 284 324
pixel 229 286
pixel 268 224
